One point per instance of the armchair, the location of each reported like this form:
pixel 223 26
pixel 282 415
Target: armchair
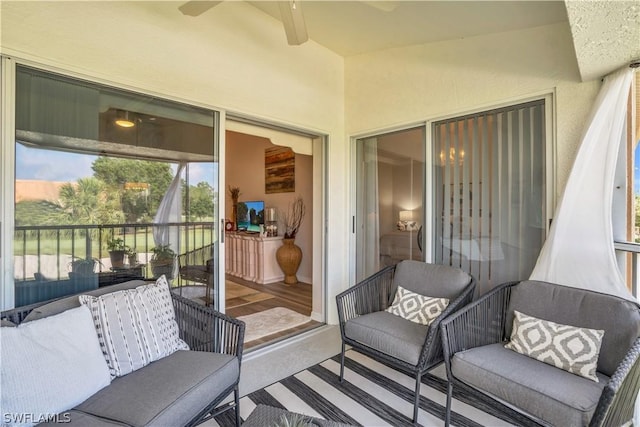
pixel 405 345
pixel 478 363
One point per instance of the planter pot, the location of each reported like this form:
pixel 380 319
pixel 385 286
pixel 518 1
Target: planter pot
pixel 162 267
pixel 289 256
pixel 117 259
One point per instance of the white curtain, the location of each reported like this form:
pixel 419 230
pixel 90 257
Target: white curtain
pixel 368 215
pixel 579 250
pixel 170 210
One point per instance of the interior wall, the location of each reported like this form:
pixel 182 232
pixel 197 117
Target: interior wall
pixel 232 57
pixel 245 169
pixel 422 82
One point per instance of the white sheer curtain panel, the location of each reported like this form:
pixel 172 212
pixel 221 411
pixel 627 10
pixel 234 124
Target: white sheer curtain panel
pixel 368 215
pixel 579 250
pixel 170 210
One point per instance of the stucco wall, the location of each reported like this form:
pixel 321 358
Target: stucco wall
pixel 418 83
pixel 233 57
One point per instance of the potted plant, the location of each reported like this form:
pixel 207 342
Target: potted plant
pixel 132 256
pixel 83 266
pixel 162 261
pixel 117 250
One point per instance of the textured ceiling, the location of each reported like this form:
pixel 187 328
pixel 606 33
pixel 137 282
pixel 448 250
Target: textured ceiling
pixel 606 35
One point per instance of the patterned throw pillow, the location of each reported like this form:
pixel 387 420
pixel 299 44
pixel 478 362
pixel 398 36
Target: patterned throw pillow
pixel 135 326
pixel 415 307
pixel 566 347
pixel 119 335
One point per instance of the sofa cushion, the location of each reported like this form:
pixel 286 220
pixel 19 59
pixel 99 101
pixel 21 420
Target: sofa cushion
pixel 49 366
pixel 566 347
pixel 389 334
pixel 546 392
pixel 75 418
pixel 619 318
pixel 438 281
pixel 417 308
pixel 168 392
pixel 65 304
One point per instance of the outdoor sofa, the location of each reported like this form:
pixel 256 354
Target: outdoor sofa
pixel 533 379
pixel 181 389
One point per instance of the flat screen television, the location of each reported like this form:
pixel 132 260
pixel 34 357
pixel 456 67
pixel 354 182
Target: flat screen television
pixel 250 215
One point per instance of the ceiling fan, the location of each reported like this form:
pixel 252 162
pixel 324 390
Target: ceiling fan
pixel 290 12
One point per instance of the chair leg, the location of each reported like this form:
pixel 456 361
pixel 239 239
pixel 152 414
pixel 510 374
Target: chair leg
pixel 447 415
pixel 342 363
pixel 416 400
pixel 236 398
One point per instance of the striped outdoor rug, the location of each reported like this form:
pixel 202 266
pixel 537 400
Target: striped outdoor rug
pixel 371 395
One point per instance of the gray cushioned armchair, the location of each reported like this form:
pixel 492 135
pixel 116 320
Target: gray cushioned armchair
pixel 407 346
pixel 478 363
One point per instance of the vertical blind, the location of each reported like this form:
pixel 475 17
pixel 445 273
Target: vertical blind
pixel 490 202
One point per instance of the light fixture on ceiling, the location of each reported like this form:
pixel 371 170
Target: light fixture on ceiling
pixel 123 120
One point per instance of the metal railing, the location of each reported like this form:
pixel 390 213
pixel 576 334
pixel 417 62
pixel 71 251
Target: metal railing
pixel 48 251
pixel 627 253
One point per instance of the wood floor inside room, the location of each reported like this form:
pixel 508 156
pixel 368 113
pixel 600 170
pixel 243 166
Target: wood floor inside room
pixel 296 297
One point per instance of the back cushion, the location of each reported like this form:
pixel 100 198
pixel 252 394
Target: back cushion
pixel 64 304
pixel 433 280
pixel 619 318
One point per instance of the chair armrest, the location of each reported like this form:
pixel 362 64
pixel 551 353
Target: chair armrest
pixel 617 402
pixel 480 323
pixel 205 329
pixel 368 296
pixel 432 349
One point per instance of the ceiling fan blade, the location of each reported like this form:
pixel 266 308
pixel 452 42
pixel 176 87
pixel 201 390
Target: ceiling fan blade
pixel 195 8
pixel 293 20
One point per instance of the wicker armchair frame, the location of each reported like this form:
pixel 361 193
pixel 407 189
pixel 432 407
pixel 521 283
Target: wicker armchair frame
pixel 483 322
pixel 203 329
pixel 375 293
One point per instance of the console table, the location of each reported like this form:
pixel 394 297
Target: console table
pixel 253 257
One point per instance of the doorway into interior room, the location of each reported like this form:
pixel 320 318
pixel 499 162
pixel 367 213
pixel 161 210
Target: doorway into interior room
pixel 268 169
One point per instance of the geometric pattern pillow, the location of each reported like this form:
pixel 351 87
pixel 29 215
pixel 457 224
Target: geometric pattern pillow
pixel 415 307
pixel 573 349
pixel 158 320
pixel 119 335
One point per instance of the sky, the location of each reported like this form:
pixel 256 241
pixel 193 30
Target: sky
pixel 49 165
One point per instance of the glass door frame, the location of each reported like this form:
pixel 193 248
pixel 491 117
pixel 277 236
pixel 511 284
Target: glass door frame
pixel 8 67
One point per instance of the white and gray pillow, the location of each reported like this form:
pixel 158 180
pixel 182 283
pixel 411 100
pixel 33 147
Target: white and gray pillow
pixel 135 326
pixel 415 307
pixel 570 348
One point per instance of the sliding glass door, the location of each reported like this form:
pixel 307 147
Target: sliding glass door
pixel 489 192
pixel 390 188
pixel 485 189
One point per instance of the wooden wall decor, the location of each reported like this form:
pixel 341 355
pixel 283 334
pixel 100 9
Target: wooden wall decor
pixel 280 170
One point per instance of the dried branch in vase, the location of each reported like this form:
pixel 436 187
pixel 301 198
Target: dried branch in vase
pixel 234 192
pixel 293 218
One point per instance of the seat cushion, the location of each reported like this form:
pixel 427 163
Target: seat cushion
pixel 168 392
pixel 546 392
pixel 75 418
pixel 389 334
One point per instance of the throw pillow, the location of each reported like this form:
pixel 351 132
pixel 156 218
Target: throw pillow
pixel 157 319
pixel 135 326
pixel 571 348
pixel 415 307
pixel 119 333
pixel 49 366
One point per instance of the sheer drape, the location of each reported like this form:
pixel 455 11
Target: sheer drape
pixel 170 211
pixel 368 217
pixel 579 251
